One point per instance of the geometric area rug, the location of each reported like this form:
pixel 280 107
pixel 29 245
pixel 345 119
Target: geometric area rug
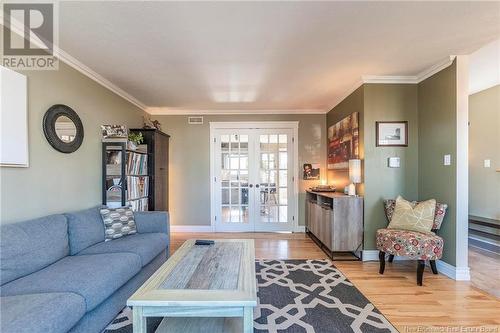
pixel 299 296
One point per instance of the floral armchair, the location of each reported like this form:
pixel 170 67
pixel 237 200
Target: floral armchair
pixel 412 244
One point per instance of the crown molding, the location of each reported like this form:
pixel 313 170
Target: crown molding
pixel 388 79
pixel 69 60
pixel 409 79
pixel 80 67
pixel 164 111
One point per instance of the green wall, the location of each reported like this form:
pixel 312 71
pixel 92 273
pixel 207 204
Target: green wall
pixel 437 131
pixel 381 102
pixel 352 103
pixel 388 102
pixel 56 182
pixel 484 143
pixel 189 178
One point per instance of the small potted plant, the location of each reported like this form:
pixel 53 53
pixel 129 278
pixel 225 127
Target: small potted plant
pixel 135 139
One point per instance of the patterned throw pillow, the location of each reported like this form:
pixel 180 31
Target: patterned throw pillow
pixel 410 216
pixel 118 222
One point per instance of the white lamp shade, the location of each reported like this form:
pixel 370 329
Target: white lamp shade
pixel 355 171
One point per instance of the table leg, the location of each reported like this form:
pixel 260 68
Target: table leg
pixel 138 320
pixel 247 319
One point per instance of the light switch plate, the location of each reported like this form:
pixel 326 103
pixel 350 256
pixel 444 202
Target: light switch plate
pixel 447 160
pixel 394 162
pixel 487 163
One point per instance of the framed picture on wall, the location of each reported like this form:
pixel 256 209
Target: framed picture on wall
pixel 391 133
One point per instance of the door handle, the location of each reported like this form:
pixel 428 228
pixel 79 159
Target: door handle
pixel 250 185
pixel 257 185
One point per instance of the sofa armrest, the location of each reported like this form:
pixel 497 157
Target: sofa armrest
pixel 153 221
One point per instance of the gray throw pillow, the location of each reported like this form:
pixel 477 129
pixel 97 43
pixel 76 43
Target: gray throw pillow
pixel 118 222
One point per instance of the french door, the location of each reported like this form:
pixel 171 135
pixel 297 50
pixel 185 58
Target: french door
pixel 253 179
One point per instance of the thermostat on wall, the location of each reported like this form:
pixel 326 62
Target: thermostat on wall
pixel 394 162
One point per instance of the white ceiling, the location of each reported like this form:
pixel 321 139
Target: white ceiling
pixel 484 67
pixel 265 56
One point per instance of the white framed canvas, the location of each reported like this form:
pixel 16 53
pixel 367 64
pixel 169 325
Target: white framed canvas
pixel 14 119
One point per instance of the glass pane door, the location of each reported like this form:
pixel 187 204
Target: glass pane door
pixel 253 179
pixel 273 149
pixel 232 180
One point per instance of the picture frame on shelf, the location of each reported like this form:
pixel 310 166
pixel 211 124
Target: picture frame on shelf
pixel 391 134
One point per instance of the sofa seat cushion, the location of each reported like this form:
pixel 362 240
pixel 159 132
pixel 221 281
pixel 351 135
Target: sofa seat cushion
pixel 412 244
pixel 147 246
pixel 41 313
pixel 95 277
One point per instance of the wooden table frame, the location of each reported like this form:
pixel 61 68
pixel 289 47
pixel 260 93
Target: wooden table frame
pixel 151 301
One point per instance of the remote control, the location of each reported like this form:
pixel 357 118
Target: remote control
pixel 204 242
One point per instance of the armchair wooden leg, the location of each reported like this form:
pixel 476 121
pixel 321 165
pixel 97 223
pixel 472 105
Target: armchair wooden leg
pixel 381 258
pixel 433 266
pixel 420 271
pixel 391 257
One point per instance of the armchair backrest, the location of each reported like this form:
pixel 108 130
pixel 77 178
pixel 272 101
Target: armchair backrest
pixel 390 204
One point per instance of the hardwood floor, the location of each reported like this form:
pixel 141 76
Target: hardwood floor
pixel 454 306
pixel 485 270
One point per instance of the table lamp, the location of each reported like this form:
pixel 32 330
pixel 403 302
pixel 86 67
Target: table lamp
pixel 354 175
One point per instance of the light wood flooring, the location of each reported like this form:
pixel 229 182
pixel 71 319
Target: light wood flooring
pixel 485 270
pixel 439 302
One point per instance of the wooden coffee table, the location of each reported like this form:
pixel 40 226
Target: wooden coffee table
pixel 201 289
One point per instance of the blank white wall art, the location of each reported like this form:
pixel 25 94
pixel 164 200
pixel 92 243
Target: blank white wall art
pixel 13 119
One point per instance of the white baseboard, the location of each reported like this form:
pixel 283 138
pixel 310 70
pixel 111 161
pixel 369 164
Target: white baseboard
pixel 455 273
pixel 300 228
pixel 370 255
pixel 191 228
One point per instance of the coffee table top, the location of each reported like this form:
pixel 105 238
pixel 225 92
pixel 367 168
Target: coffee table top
pixel 222 274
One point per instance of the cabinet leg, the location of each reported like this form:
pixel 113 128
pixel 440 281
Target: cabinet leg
pixel 381 258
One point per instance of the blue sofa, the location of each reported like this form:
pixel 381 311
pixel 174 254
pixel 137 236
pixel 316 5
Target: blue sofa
pixel 58 275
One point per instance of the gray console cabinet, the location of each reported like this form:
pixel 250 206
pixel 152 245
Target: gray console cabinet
pixel 335 220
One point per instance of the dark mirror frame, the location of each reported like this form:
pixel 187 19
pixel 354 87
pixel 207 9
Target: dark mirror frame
pixel 49 128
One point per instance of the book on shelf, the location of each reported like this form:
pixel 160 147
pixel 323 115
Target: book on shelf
pixel 137 164
pixel 138 187
pixel 139 205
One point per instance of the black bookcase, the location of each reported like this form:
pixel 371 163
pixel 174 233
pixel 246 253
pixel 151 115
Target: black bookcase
pixel 158 147
pixel 126 176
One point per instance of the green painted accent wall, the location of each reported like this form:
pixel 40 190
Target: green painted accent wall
pixel 189 177
pixel 352 103
pixel 55 182
pixel 437 131
pixel 484 143
pixel 381 102
pixel 388 102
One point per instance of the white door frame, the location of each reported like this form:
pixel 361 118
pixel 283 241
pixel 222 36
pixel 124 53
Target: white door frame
pixel 293 125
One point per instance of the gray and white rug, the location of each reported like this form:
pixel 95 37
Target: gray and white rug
pixel 299 296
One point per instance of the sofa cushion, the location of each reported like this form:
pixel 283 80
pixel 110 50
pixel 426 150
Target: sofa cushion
pixel 29 246
pixel 41 313
pixel 85 229
pixel 95 277
pixel 147 246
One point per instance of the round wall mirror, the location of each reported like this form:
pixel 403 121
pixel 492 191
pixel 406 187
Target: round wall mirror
pixel 63 128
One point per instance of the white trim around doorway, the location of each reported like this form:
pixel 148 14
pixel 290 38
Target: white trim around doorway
pixel 293 125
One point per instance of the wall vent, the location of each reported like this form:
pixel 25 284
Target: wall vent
pixel 198 120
